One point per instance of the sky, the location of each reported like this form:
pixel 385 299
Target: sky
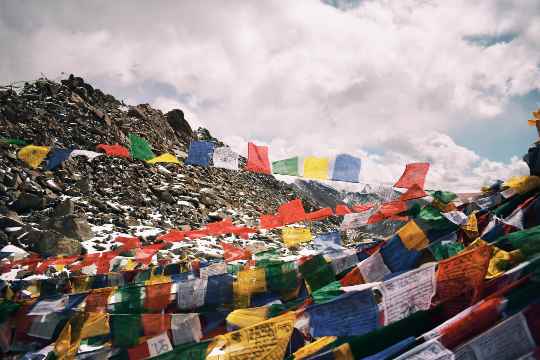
pixel 389 81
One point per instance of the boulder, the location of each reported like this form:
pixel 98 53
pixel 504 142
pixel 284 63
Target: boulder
pixel 72 226
pixel 28 201
pixel 181 127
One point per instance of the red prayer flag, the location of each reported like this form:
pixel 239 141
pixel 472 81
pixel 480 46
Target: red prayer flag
pixel 353 277
pixel 414 192
pixel 362 207
pixel 292 212
pixel 392 208
pixel 231 253
pixel 320 214
pixel 270 221
pixel 258 159
pixel 97 300
pixel 155 324
pixel 129 242
pixel 114 150
pixel 220 227
pixel 414 174
pixel 144 255
pixel 342 210
pixel 173 235
pixel 157 296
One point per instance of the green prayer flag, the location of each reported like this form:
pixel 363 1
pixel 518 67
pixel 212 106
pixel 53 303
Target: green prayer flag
pixel 430 218
pixel 286 167
pixel 189 352
pixel 327 292
pixel 317 272
pixel 442 251
pixel 7 308
pixel 13 141
pixel 130 299
pixel 140 148
pixel 443 196
pixel 281 276
pixel 528 241
pixel 125 329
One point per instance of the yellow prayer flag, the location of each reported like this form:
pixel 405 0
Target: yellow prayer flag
pixel 295 236
pixel 523 184
pixel 95 324
pixel 532 122
pixel 251 281
pixel 316 168
pixel 164 158
pixel 33 155
pixel 498 256
pixel 313 347
pixel 412 236
pixel 242 318
pixel 80 283
pixel 471 226
pixel 266 340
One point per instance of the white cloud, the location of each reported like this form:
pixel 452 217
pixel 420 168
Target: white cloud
pixel 302 76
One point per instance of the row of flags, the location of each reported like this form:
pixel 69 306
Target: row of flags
pixel 437 290
pixel 342 167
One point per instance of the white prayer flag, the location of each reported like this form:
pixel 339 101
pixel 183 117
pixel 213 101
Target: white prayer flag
pixel 225 158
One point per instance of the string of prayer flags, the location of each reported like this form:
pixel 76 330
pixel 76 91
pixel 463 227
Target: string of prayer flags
pixel 164 158
pixel 286 167
pixel 351 314
pixel 346 168
pixel 295 236
pixel 292 212
pixel 414 174
pixel 200 153
pixel 258 159
pixel 33 155
pixel 139 148
pixel 225 158
pixel 57 157
pixel 115 150
pixel 316 168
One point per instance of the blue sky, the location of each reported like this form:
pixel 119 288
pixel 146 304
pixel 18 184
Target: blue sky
pixel 390 81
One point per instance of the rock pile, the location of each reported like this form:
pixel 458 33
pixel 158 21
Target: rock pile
pixel 52 212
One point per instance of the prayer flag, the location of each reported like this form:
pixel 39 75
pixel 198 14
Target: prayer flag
pixel 232 253
pixel 295 236
pixel 319 214
pixel 373 268
pixel 164 158
pixel 265 340
pixel 125 329
pixel 157 296
pixel 191 294
pixel 95 324
pixel 397 257
pixel 414 174
pixel 328 241
pixel 286 167
pixel 200 153
pixel 316 272
pixel 412 236
pixel 292 212
pixel 56 158
pixel 225 158
pixel 342 210
pixel 346 168
pixel 155 324
pixel 114 150
pixel 270 221
pixel 251 281
pixel 351 314
pixel 90 155
pixel 14 141
pixel 415 192
pixel 219 290
pixel 362 207
pixel 140 149
pixel 33 155
pixel 186 328
pixel 316 168
pixel 155 346
pixel 258 159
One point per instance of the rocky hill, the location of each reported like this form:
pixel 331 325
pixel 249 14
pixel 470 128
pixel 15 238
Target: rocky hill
pixel 52 212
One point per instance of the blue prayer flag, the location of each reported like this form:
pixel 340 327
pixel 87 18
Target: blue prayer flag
pixel 350 314
pixel 200 153
pixel 219 290
pixel 329 241
pixel 397 257
pixel 346 168
pixel 56 158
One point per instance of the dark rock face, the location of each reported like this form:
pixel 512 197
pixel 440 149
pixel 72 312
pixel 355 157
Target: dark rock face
pixel 176 119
